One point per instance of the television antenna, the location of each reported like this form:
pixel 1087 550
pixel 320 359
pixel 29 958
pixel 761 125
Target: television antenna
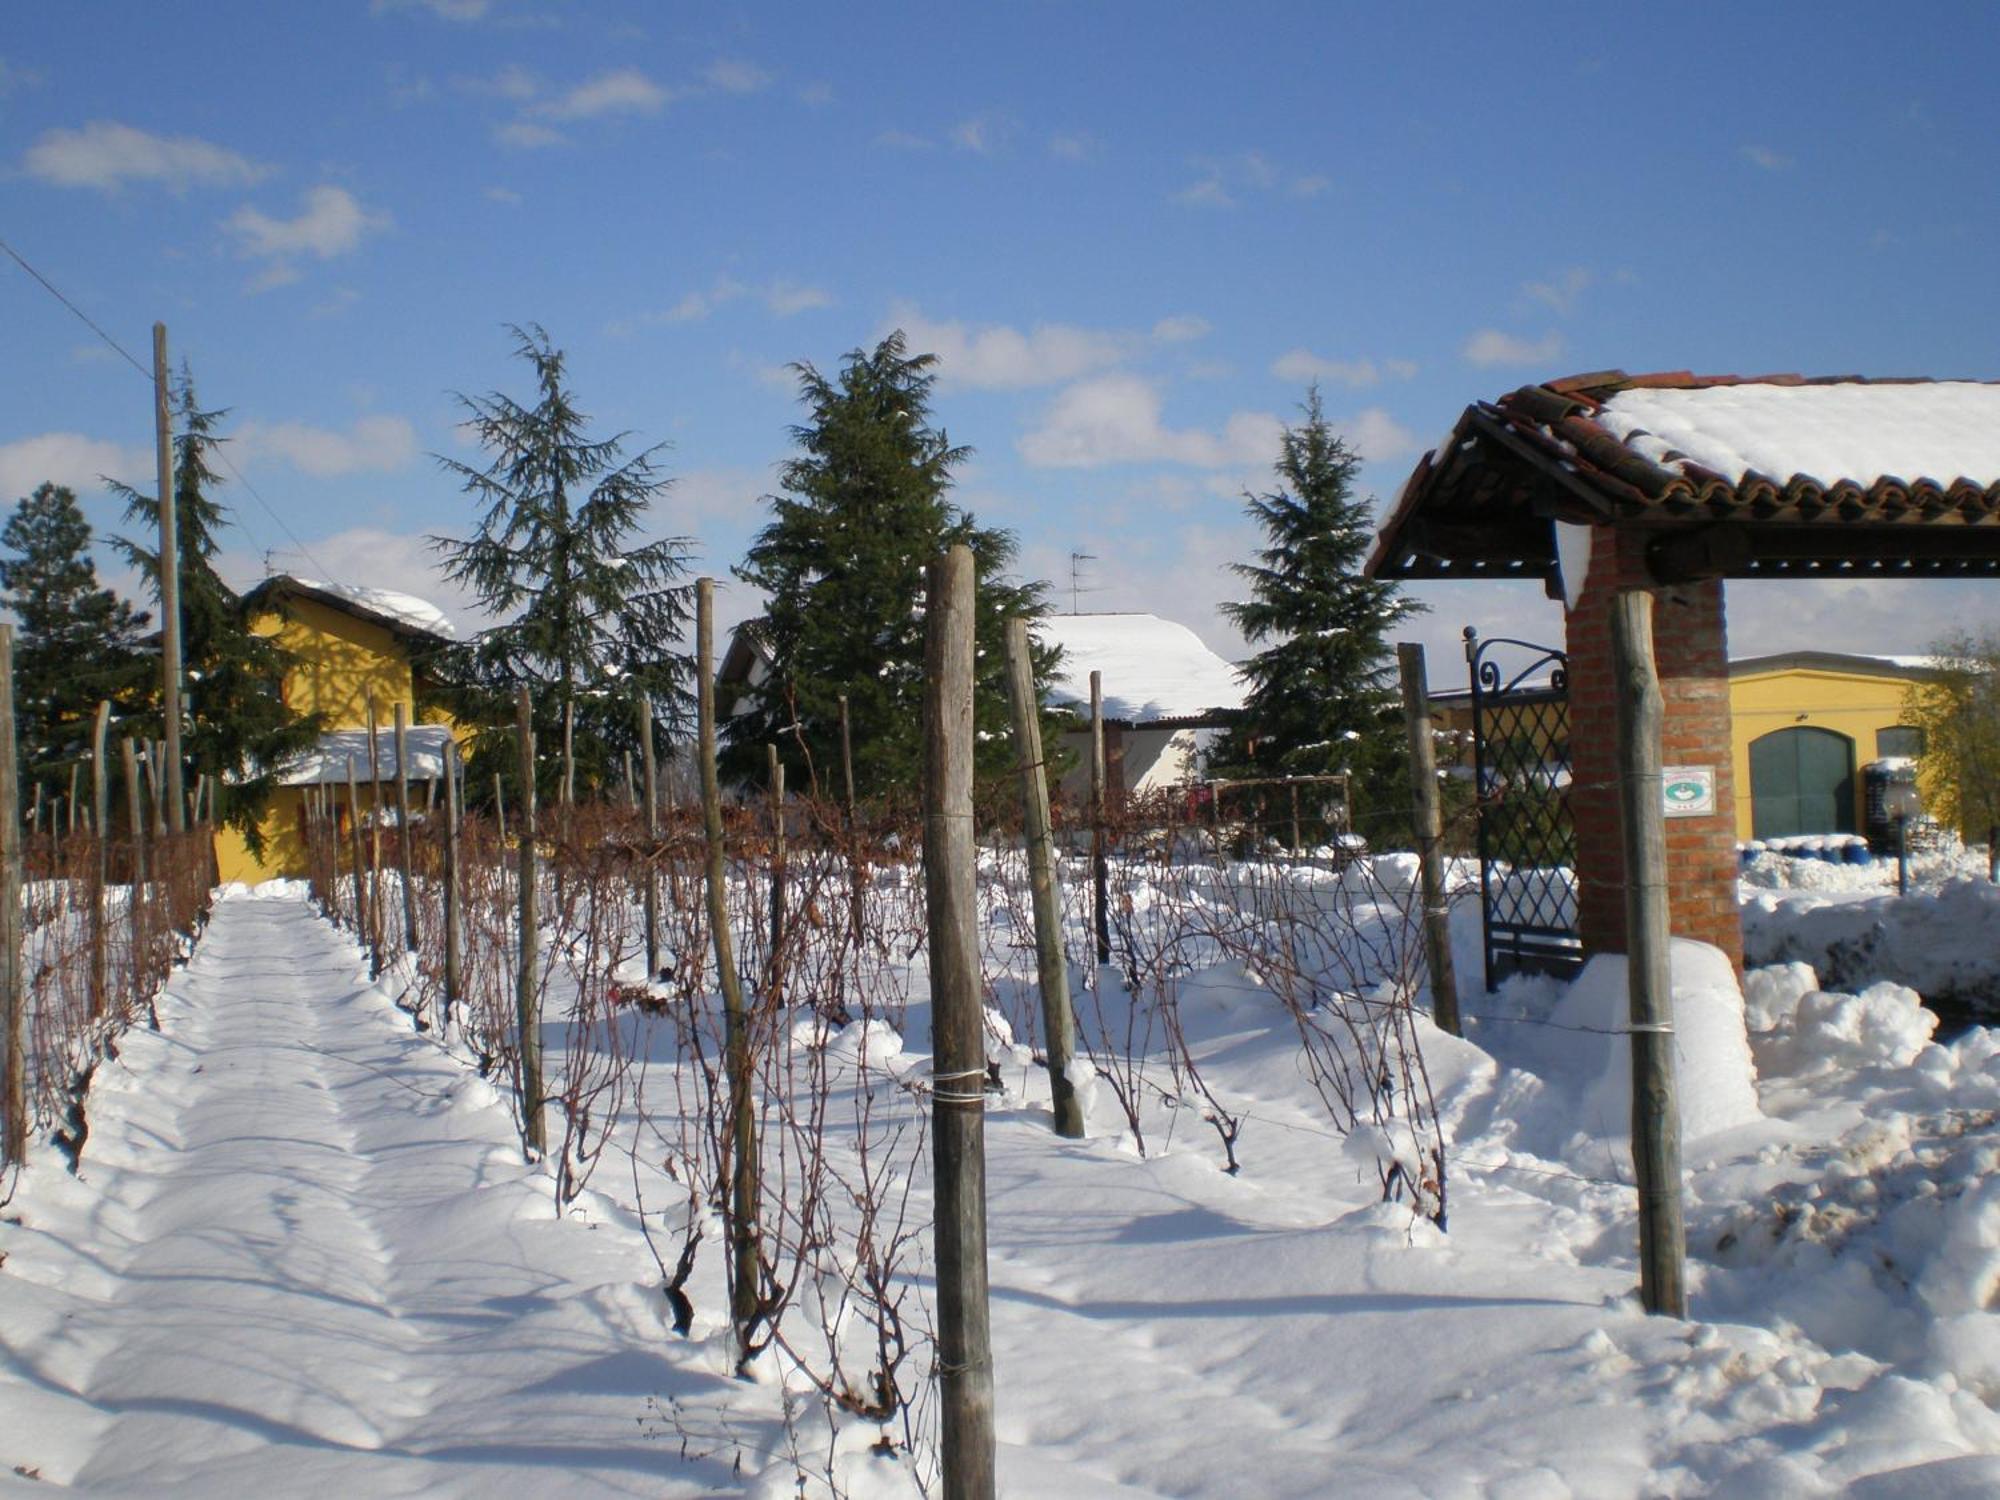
pixel 1076 588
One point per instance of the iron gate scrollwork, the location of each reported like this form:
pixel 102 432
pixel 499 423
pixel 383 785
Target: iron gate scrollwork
pixel 1526 839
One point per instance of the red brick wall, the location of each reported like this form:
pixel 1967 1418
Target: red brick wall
pixel 1691 651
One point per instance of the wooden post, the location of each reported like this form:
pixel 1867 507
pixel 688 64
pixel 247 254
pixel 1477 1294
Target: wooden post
pixel 650 766
pixel 374 842
pixel 74 768
pixel 403 830
pixel 100 864
pixel 742 1143
pixel 1656 1121
pixel 569 756
pixel 500 808
pixel 13 978
pixel 631 790
pixel 155 768
pixel 527 993
pixel 1298 844
pixel 1051 965
pixel 1430 835
pixel 958 1045
pixel 775 984
pixel 1100 874
pixel 135 905
pixel 858 889
pixel 354 852
pixel 170 573
pixel 454 779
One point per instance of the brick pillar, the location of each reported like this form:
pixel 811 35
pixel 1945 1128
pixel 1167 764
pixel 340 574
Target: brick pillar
pixel 1691 651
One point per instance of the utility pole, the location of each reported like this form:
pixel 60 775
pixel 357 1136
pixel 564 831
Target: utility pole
pixel 170 581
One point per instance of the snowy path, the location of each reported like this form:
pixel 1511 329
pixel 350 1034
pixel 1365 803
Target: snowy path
pixel 307 1256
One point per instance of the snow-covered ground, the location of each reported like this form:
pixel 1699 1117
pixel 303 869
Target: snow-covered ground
pixel 304 1256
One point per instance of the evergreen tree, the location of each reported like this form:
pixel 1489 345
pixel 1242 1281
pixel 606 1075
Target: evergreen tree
pixel 842 562
pixel 77 642
pixel 237 726
pixel 1322 697
pixel 592 619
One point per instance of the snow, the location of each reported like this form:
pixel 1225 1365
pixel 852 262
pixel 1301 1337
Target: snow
pixel 1152 668
pixel 326 762
pixel 1943 431
pixel 304 1254
pixel 403 609
pixel 1572 559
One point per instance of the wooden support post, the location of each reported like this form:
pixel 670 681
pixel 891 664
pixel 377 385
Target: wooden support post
pixel 858 889
pixel 1298 844
pixel 631 790
pixel 1100 874
pixel 1051 964
pixel 156 760
pixel 170 573
pixel 74 768
pixel 354 851
pixel 741 1220
pixel 13 977
pixel 775 984
pixel 135 904
pixel 500 808
pixel 649 765
pixel 100 864
pixel 569 758
pixel 454 917
pixel 1656 1120
pixel 958 1046
pixel 403 831
pixel 528 992
pixel 374 843
pixel 1430 835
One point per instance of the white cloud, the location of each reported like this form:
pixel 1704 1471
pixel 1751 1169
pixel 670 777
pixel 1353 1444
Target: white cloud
pixel 784 298
pixel 510 82
pixel 528 135
pixel 72 459
pixel 1490 347
pixel 1115 419
pixel 903 140
pixel 1376 435
pixel 504 195
pixel 444 10
pixel 996 357
pixel 1765 157
pixel 331 222
pixel 736 77
pixel 1561 293
pixel 982 134
pixel 1223 181
pixel 378 444
pixel 106 155
pixel 1205 192
pixel 621 91
pixel 1310 186
pixel 1180 330
pixel 1072 147
pixel 1303 365
pixel 816 94
pixel 365 556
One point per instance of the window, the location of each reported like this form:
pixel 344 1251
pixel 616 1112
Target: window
pixel 1899 739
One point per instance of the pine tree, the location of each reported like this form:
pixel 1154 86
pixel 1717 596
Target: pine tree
pixel 1321 695
pixel 78 641
pixel 842 561
pixel 237 726
pixel 593 621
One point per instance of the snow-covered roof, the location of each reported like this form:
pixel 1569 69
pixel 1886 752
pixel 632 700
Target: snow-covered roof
pixel 1153 669
pixel 1835 661
pixel 326 762
pixel 1863 431
pixel 405 612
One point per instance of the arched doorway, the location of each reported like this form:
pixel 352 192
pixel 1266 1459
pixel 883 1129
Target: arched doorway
pixel 1801 781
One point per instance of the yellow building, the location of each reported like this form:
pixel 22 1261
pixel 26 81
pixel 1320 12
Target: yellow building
pixel 348 645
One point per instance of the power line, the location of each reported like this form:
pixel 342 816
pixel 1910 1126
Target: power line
pixel 276 520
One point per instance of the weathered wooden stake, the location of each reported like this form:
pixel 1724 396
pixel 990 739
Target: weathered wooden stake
pixel 958 1045
pixel 374 842
pixel 528 993
pixel 742 1222
pixel 13 977
pixel 100 864
pixel 569 756
pixel 403 831
pixel 500 809
pixel 1100 871
pixel 1656 1120
pixel 857 881
pixel 774 988
pixel 650 766
pixel 155 768
pixel 135 905
pixel 1430 835
pixel 1052 965
pixel 454 780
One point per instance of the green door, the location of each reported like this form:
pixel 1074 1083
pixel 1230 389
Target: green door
pixel 1801 781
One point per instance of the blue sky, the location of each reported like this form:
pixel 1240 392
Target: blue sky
pixel 1133 232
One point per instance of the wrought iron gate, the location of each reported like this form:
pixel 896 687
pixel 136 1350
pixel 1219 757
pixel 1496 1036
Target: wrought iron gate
pixel 1527 842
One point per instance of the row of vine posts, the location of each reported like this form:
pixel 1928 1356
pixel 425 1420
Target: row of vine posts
pixel 95 910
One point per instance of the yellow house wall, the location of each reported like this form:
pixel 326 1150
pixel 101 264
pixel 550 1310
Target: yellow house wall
pixel 339 661
pixel 1855 704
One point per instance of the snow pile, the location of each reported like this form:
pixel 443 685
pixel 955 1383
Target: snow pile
pixel 1152 668
pixel 406 610
pixel 1942 941
pixel 1943 431
pixel 327 762
pixel 1886 1024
